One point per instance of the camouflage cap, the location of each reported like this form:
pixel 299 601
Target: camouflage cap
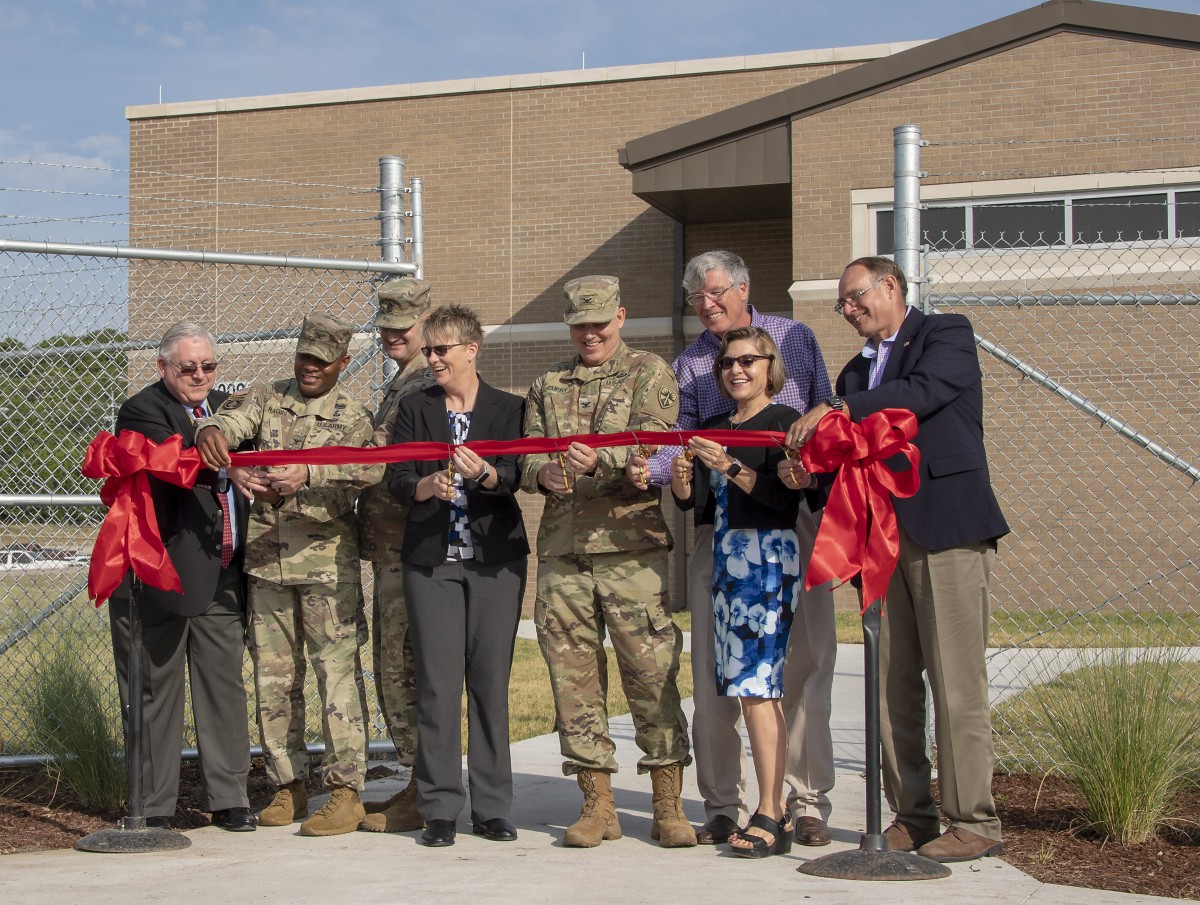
pixel 401 302
pixel 592 300
pixel 325 336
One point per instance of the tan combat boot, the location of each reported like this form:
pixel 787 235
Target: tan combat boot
pixel 396 815
pixel 289 804
pixel 671 827
pixel 598 817
pixel 342 813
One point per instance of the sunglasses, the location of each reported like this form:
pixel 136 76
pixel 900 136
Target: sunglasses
pixel 440 350
pixel 745 362
pixel 190 370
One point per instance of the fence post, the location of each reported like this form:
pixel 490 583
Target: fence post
pixel 906 149
pixel 418 226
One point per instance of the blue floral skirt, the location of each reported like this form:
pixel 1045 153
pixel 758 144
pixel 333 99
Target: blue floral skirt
pixel 756 588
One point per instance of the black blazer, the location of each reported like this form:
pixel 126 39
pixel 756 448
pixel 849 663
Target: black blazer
pixel 497 529
pixel 771 504
pixel 189 521
pixel 933 371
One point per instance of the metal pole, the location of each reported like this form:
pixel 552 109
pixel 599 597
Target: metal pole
pixel 418 225
pixel 873 839
pixel 391 209
pixel 906 144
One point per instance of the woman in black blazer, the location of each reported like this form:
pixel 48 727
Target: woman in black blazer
pixel 464 554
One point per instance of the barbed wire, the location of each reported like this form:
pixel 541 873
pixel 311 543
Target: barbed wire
pixel 353 189
pixel 254 205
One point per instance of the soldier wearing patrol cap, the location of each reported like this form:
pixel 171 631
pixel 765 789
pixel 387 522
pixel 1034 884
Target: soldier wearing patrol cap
pixel 302 561
pixel 402 306
pixel 602 566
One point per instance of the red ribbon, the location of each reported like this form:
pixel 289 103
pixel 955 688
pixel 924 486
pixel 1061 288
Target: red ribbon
pixel 129 536
pixel 412 452
pixel 858 533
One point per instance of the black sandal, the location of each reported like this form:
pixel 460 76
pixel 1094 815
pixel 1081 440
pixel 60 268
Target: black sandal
pixel 781 844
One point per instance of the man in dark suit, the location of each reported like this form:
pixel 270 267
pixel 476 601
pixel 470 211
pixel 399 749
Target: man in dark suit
pixel 202 630
pixel 936 612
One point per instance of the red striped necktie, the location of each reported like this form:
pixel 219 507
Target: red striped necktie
pixel 223 501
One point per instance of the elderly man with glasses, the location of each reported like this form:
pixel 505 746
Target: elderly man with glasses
pixel 717 284
pixel 200 631
pixel 937 600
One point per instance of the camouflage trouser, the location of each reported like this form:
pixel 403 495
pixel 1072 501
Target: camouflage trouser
pixel 579 599
pixel 392 660
pixel 329 621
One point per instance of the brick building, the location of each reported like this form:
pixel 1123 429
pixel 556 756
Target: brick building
pixel 1066 127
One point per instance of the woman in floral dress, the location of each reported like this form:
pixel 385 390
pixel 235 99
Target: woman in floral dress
pixel 756 565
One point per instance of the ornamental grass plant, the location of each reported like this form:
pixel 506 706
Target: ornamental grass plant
pixel 1126 731
pixel 70 722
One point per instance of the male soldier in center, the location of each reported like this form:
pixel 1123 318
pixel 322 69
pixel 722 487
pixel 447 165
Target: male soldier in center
pixel 602 566
pixel 403 304
pixel 303 567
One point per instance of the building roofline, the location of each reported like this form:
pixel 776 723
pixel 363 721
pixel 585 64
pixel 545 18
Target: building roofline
pixel 1052 17
pixel 854 54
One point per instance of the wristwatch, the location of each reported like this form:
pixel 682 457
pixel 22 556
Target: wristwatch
pixel 733 470
pixel 483 475
pixel 835 402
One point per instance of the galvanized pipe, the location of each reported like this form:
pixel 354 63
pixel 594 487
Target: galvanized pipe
pixel 391 209
pixel 418 225
pixel 906 187
pixel 1065 299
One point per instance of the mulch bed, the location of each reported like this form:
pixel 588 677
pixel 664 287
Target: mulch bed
pixel 1045 830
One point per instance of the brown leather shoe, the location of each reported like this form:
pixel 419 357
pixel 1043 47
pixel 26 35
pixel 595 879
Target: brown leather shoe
pixel 903 836
pixel 812 831
pixel 717 831
pixel 957 844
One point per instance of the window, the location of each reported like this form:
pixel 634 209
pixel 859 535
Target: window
pixel 1070 220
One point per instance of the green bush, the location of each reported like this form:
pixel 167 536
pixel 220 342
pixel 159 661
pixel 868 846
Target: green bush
pixel 1126 730
pixel 70 723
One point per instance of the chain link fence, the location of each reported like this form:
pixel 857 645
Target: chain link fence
pixel 90 322
pixel 1085 309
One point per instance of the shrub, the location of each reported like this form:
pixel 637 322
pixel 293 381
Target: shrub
pixel 1126 730
pixel 70 723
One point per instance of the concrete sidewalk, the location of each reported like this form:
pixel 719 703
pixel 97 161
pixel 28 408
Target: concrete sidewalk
pixel 278 867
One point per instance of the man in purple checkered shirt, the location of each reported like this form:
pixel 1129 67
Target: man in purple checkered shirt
pixel 718 286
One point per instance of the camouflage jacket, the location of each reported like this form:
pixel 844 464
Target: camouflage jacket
pixel 381 517
pixel 312 538
pixel 605 514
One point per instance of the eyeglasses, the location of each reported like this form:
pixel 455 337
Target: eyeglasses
pixel 190 370
pixel 853 298
pixel 713 295
pixel 745 362
pixel 439 350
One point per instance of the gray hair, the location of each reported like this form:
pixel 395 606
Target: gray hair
pixel 698 267
pixel 181 331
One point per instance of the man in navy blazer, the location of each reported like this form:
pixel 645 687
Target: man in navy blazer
pixel 200 632
pixel 936 612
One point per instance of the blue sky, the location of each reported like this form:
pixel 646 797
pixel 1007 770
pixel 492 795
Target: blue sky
pixel 70 68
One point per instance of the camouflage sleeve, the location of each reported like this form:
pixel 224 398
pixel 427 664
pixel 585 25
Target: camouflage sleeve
pixel 535 426
pixel 239 417
pixel 323 502
pixel 654 407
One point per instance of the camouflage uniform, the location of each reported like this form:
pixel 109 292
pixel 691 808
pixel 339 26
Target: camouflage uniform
pixel 381 521
pixel 602 564
pixel 305 591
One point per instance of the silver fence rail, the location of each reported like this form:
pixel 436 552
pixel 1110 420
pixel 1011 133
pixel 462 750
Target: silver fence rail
pixel 96 314
pixel 1091 401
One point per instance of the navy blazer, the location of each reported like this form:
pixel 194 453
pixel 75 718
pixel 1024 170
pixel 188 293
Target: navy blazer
pixel 189 521
pixel 497 528
pixel 933 371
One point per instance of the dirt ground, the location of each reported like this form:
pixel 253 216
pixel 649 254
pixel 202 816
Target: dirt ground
pixel 1045 831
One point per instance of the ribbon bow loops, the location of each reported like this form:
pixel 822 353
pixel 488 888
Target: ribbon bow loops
pixel 858 533
pixel 129 536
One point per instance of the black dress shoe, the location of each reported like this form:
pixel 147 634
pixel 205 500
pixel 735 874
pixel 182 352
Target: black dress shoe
pixel 497 829
pixel 438 833
pixel 717 831
pixel 158 823
pixel 235 820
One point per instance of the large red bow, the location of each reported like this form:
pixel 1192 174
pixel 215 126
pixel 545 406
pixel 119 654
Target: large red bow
pixel 129 536
pixel 858 530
